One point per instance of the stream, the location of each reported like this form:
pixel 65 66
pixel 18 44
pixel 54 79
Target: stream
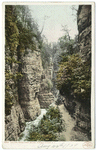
pixel 29 125
pixel 25 133
pixel 68 135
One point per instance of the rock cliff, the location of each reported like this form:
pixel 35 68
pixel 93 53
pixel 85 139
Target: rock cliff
pixel 34 93
pixel 23 71
pixel 81 111
pixel 45 95
pixel 29 85
pixel 14 123
pixel 45 99
pixel 84 28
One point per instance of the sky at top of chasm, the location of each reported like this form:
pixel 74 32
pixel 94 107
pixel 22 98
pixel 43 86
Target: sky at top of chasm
pixel 55 16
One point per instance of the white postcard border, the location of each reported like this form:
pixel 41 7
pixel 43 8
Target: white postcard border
pixel 53 144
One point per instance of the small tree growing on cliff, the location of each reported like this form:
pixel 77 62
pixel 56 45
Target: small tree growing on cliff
pixel 67 44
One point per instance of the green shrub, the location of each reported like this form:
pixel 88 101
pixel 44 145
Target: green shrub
pixel 36 136
pixel 19 33
pixel 49 83
pixel 46 84
pixel 50 124
pixel 74 77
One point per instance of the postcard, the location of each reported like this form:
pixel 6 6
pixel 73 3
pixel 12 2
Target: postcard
pixel 48 75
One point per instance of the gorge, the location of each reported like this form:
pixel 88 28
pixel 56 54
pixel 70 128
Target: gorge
pixel 31 85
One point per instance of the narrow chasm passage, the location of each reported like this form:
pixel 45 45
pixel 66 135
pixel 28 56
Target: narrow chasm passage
pixel 70 134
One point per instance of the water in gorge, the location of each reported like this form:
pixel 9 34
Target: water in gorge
pixel 30 124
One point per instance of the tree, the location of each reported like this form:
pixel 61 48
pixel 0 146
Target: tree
pixel 67 45
pixel 21 33
pixel 74 78
pixel 45 17
pixel 11 35
pixel 25 25
pixel 74 11
pixel 11 43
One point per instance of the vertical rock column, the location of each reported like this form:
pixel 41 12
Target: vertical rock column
pixel 14 123
pixel 45 95
pixel 84 28
pixel 30 83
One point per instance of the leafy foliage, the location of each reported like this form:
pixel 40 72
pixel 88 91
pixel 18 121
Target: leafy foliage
pixel 66 44
pixel 74 77
pixel 11 43
pixel 46 85
pixel 50 124
pixel 11 35
pixel 21 33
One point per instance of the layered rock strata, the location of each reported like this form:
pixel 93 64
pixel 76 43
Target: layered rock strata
pixel 45 95
pixel 30 83
pixel 33 93
pixel 45 99
pixel 84 28
pixel 14 123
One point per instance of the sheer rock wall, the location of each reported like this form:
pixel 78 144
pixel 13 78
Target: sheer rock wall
pixel 45 95
pixel 31 97
pixel 81 111
pixel 14 123
pixel 84 28
pixel 30 84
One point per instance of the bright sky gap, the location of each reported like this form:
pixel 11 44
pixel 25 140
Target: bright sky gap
pixel 56 16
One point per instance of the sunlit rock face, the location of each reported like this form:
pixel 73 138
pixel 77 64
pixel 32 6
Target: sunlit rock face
pixel 45 99
pixel 14 123
pixel 30 83
pixel 33 93
pixel 84 28
pixel 45 95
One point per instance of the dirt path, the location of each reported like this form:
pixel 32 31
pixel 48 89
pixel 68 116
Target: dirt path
pixel 70 134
